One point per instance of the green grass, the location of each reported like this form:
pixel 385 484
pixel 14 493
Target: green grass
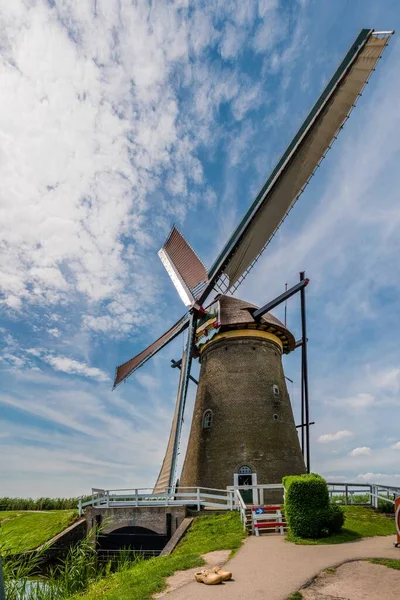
pixel 23 530
pixel 295 596
pixel 392 563
pixel 384 506
pixel 359 523
pixel 213 532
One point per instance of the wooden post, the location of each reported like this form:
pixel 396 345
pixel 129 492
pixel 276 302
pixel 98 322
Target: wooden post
pixel 346 493
pixel 2 590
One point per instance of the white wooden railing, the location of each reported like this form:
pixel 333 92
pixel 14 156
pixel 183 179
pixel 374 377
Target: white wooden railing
pixel 258 491
pixel 231 497
pixel 199 497
pixel 372 493
pixel 241 506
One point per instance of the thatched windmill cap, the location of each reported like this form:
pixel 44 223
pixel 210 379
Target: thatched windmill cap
pixel 238 314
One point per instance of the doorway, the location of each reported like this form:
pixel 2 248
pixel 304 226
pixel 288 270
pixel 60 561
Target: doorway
pixel 246 476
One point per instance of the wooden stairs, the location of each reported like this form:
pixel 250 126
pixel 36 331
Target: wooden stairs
pixel 268 518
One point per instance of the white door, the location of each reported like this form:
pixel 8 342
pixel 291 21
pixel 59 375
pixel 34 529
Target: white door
pixel 247 477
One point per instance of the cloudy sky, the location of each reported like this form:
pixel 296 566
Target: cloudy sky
pixel 119 118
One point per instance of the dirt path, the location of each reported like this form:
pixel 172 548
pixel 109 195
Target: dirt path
pixel 269 568
pixel 358 580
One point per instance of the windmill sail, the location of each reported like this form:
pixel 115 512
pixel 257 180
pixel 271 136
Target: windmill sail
pixel 127 368
pixel 183 266
pixel 298 164
pixel 166 475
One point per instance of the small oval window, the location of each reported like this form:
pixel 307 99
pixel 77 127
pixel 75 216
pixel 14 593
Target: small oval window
pixel 276 417
pixel 276 390
pixel 207 419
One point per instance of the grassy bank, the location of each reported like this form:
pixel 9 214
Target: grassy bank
pixel 359 523
pixel 23 530
pixel 140 582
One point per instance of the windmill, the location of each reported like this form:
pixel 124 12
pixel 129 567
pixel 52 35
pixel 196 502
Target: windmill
pixel 242 424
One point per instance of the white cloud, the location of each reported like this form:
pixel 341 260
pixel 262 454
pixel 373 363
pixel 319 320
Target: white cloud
pixel 91 121
pixel 388 379
pixel 396 446
pixel 232 41
pixel 333 437
pixel 81 435
pixel 358 401
pixel 54 332
pixel 383 478
pixel 69 365
pixel 12 302
pixel 7 357
pixel 250 98
pixel 361 451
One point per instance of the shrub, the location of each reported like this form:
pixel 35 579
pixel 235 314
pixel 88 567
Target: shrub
pixel 384 506
pixel 39 503
pixel 307 507
pixel 336 519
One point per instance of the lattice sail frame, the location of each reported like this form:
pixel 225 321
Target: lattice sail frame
pixel 298 164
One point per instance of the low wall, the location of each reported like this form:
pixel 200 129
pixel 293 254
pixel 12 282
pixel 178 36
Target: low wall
pixel 67 538
pixel 163 520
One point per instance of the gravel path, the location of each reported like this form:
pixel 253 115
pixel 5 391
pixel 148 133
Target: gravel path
pixel 269 568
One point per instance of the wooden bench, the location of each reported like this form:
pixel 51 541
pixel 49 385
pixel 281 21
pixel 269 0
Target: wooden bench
pixel 267 518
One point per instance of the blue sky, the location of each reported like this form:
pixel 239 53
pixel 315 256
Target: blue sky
pixel 118 119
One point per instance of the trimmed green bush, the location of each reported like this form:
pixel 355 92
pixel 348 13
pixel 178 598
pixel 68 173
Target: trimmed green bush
pixel 336 519
pixel 308 509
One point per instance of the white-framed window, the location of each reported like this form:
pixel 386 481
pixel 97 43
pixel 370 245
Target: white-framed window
pixel 245 470
pixel 276 390
pixel 207 419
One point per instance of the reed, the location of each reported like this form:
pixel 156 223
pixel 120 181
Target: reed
pixel 23 575
pixel 7 503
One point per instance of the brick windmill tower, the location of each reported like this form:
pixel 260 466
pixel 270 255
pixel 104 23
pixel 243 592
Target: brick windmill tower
pixel 243 430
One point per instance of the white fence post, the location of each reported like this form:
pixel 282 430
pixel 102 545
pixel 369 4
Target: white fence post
pixel 137 497
pixel 198 499
pixel 79 512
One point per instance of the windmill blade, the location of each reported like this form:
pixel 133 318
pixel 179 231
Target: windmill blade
pixel 298 164
pixel 127 368
pixel 167 473
pixel 183 266
pixel 165 477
